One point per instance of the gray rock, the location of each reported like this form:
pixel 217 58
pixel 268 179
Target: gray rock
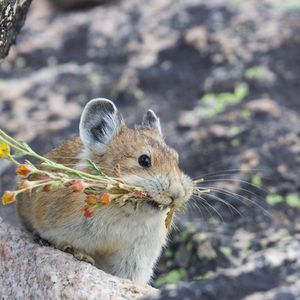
pixel 29 271
pixel 12 16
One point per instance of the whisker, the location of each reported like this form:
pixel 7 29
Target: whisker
pixel 213 208
pixel 192 206
pixel 229 171
pixel 238 180
pixel 238 196
pixel 202 204
pixel 226 203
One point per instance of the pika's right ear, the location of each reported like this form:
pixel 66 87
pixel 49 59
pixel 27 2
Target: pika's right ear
pixel 100 121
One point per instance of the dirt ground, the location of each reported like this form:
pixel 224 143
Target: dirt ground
pixel 224 77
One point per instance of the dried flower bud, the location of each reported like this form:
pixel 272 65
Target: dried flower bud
pixel 4 150
pixel 87 213
pixel 24 185
pixel 105 198
pixel 91 200
pixel 24 170
pixel 47 188
pixel 139 194
pixel 8 197
pixel 77 185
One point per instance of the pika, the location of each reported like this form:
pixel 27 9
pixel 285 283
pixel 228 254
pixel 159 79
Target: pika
pixel 124 241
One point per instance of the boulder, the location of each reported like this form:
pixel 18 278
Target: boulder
pixel 31 271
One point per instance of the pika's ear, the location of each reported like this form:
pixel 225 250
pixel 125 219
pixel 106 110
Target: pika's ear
pixel 100 121
pixel 151 120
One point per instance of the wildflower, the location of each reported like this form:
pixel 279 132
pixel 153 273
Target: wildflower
pixel 24 170
pixel 139 194
pixel 77 185
pixel 104 198
pixel 47 187
pixel 91 200
pixel 24 185
pixel 4 150
pixel 8 197
pixel 87 212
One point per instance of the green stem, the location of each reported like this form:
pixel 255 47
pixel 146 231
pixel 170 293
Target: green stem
pixel 10 141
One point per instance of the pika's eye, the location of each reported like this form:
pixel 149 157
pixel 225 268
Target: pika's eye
pixel 145 161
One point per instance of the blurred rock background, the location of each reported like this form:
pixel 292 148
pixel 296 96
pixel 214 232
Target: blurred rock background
pixel 224 76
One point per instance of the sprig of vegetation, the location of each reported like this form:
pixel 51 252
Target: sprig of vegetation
pixel 99 189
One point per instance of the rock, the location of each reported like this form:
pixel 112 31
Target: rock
pixel 12 16
pixel 264 106
pixel 75 4
pixel 30 271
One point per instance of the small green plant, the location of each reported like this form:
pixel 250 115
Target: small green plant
pixel 274 199
pixel 235 143
pixel 246 246
pixel 286 237
pixel 256 180
pixel 205 276
pixel 293 200
pixel 259 73
pixel 200 237
pixel 247 114
pixel 168 253
pixel 214 104
pixel 226 251
pixel 213 221
pixel 235 130
pixel 171 277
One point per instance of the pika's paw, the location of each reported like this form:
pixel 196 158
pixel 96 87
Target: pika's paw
pixel 42 242
pixel 80 255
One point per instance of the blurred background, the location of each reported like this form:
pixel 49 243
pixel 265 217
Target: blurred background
pixel 224 77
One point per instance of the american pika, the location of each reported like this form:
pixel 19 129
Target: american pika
pixel 123 241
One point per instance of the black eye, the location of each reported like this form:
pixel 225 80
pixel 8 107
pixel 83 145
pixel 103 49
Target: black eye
pixel 145 161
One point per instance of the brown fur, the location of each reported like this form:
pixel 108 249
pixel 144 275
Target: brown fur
pixel 58 207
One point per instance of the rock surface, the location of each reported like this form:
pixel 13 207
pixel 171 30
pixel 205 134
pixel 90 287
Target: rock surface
pixel 31 271
pixel 12 17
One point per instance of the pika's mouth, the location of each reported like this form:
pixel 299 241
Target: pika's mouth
pixel 157 205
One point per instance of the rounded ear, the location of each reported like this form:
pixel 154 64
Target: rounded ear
pixel 100 121
pixel 151 120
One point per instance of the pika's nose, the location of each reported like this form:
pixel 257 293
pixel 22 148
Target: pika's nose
pixel 175 194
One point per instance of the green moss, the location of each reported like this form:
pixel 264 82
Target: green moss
pixel 171 277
